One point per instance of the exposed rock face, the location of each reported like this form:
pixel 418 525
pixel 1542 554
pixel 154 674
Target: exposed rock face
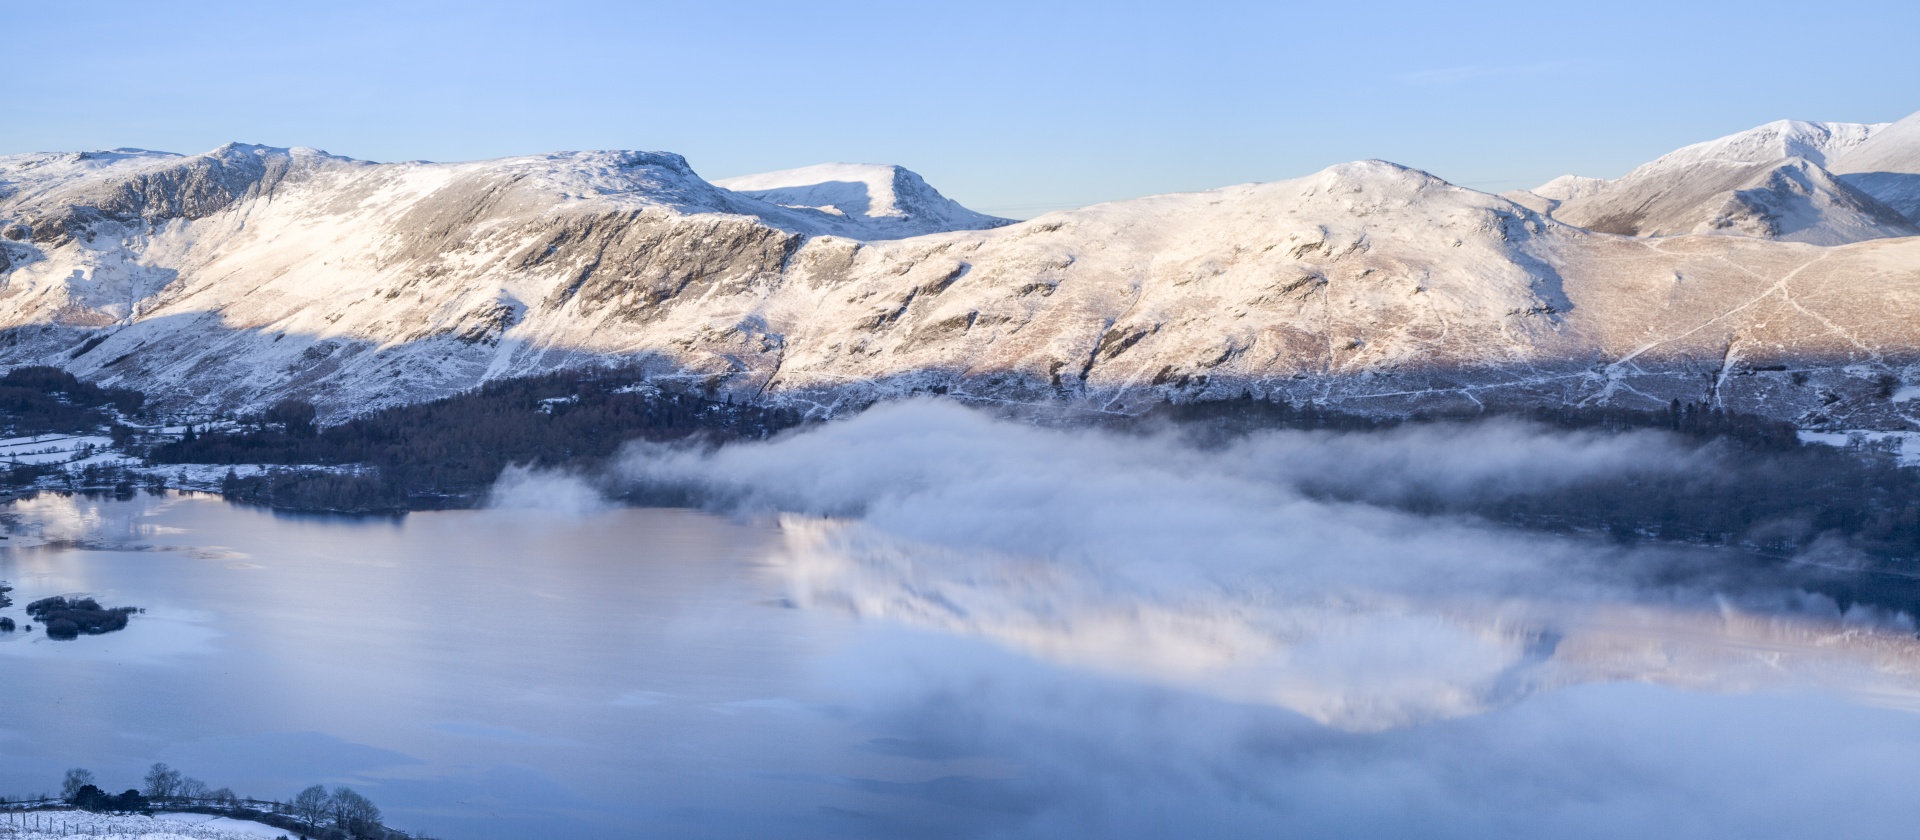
pixel 228 280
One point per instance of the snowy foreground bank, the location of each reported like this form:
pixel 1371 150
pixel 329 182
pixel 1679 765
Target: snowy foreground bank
pixel 33 825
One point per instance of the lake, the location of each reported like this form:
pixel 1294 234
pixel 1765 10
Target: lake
pixel 671 673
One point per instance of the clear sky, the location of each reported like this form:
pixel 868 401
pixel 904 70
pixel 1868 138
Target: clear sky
pixel 1011 107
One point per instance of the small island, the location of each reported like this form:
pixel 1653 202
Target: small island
pixel 66 618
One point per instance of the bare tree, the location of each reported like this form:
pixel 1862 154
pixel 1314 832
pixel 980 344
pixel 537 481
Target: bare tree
pixel 354 812
pixel 312 806
pixel 77 778
pixel 225 798
pixel 192 789
pixel 162 782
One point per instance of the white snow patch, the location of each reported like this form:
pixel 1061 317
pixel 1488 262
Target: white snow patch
pixel 160 826
pixel 52 449
pixel 210 476
pixel 1901 444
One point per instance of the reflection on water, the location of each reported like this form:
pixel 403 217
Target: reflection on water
pixel 1356 660
pixel 525 673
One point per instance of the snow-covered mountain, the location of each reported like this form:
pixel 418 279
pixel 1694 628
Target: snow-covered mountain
pixel 882 201
pixel 1549 196
pixel 1817 142
pixel 1792 200
pixel 1767 182
pixel 229 279
pixel 1887 166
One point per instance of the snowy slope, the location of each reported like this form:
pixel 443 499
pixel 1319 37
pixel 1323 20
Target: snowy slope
pixel 878 201
pixel 1791 199
pixel 1887 166
pixel 227 280
pixel 1817 142
pixel 1549 196
pixel 1570 187
pixel 1371 286
pixel 160 826
pixel 26 177
pixel 1767 182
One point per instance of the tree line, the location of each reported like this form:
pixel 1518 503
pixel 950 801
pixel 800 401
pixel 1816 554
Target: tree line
pixel 1758 488
pixel 339 814
pixel 448 452
pixel 1755 487
pixel 39 399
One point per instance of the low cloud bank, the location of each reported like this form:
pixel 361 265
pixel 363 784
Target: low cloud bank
pixel 1154 510
pixel 1225 570
pixel 1244 657
pixel 549 491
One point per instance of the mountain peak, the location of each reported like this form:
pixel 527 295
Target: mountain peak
pixel 1815 141
pixel 1771 181
pixel 1570 187
pixel 1377 169
pixel 894 197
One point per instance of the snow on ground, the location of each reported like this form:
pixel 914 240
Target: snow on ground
pixel 162 826
pixel 50 449
pixel 77 452
pixel 1904 445
pixel 210 476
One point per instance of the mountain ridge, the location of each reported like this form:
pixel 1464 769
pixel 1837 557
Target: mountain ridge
pixel 1770 181
pixel 225 281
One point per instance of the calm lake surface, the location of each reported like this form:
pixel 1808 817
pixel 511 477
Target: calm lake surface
pixel 512 674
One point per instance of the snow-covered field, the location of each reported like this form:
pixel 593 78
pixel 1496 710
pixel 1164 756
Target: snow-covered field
pixel 1903 445
pixel 51 449
pixel 163 826
pixel 210 476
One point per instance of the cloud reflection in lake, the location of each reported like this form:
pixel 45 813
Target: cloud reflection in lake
pixel 1210 569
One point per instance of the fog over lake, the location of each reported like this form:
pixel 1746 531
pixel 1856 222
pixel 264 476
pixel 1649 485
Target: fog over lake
pixel 926 622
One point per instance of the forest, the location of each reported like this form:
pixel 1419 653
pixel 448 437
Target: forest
pixel 41 399
pixel 1754 487
pixel 447 453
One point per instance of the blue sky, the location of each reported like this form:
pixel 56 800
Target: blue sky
pixel 1011 107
